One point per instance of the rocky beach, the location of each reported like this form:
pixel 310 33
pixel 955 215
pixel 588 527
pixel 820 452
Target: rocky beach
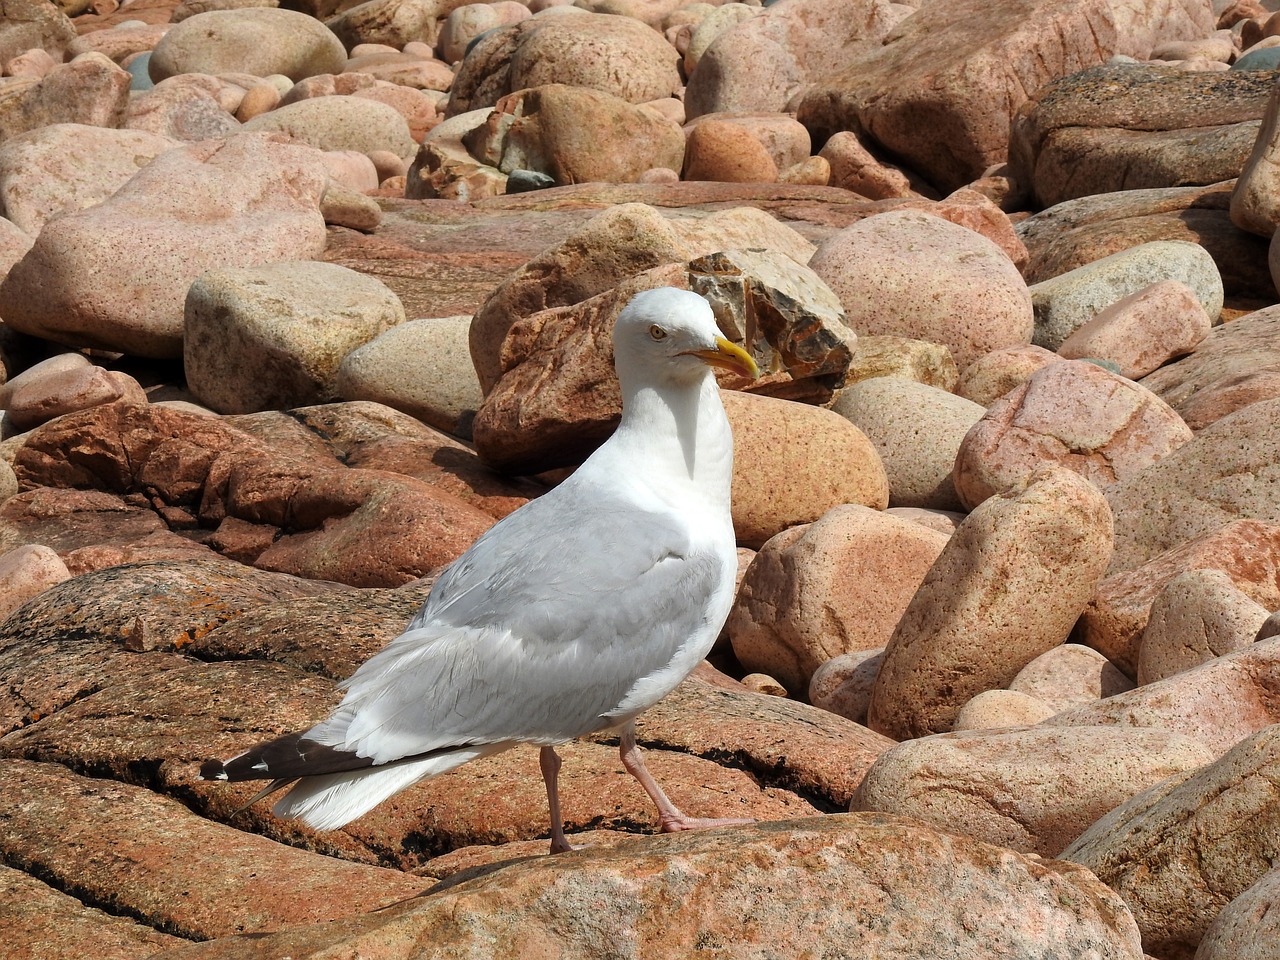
pixel 297 301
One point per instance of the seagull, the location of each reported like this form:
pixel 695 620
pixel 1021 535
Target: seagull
pixel 572 615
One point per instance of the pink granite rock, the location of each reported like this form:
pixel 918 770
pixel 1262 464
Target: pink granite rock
pixel 612 54
pixel 1070 675
pixel 916 275
pixel 248 199
pixel 38 400
pixel 843 684
pixel 1247 551
pixel 767 61
pixel 940 91
pixel 1142 331
pixel 189 107
pixel 575 134
pixel 92 90
pixel 786 141
pixel 1248 927
pixel 27 571
pixel 999 709
pixel 261 41
pixel 1071 414
pixel 1230 471
pixel 1181 851
pixel 835 586
pixel 1008 586
pixel 467 22
pixel 340 123
pixel 990 377
pixel 1219 703
pixel 1034 790
pixel 853 167
pixel 1199 615
pixel 69 166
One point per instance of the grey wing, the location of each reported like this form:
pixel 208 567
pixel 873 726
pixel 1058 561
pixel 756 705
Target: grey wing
pixel 533 636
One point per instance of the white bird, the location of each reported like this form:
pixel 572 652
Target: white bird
pixel 573 614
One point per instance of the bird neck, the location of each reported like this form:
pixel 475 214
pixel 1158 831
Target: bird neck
pixel 680 432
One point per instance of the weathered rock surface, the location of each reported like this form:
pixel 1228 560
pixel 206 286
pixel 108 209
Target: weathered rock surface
pixel 272 337
pixel 1181 851
pixel 962 70
pixel 712 886
pixel 1247 551
pixel 835 586
pixel 1034 789
pixel 1218 703
pixel 1071 414
pixel 917 430
pixel 1191 492
pixel 1042 546
pixel 1135 126
pixel 214 204
pixel 900 273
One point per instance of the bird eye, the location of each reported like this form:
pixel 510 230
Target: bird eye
pixel 657 332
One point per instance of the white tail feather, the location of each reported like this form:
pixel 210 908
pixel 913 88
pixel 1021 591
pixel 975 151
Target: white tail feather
pixel 333 800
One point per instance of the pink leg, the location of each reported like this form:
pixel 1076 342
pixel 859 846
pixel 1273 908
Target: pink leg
pixel 669 816
pixel 549 762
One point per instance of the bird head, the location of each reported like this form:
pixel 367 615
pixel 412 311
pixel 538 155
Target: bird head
pixel 672 336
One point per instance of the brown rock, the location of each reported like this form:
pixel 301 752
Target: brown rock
pixel 961 72
pixel 726 152
pixel 764 65
pixel 919 360
pixel 150 856
pixel 1072 414
pixel 613 54
pixel 38 401
pixel 620 242
pixel 42 921
pixel 853 167
pixel 805 866
pixel 1130 126
pixel 558 397
pixel 27 571
pixel 1247 551
pixel 1198 615
pixel 835 586
pixel 1218 703
pixel 27 24
pixel 1189 493
pixel 1181 851
pixel 1045 544
pixel 1034 790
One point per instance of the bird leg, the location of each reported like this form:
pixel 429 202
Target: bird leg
pixel 670 818
pixel 549 762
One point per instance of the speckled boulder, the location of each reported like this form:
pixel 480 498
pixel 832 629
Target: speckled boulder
pixel 258 41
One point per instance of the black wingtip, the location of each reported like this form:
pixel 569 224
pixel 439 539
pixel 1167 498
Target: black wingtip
pixel 212 770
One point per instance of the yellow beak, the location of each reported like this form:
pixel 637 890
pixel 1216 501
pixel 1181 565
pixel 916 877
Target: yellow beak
pixel 728 356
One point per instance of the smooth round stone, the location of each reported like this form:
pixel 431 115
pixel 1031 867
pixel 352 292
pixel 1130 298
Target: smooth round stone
pixel 139 70
pixel 258 41
pixel 1266 58
pixel 524 181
